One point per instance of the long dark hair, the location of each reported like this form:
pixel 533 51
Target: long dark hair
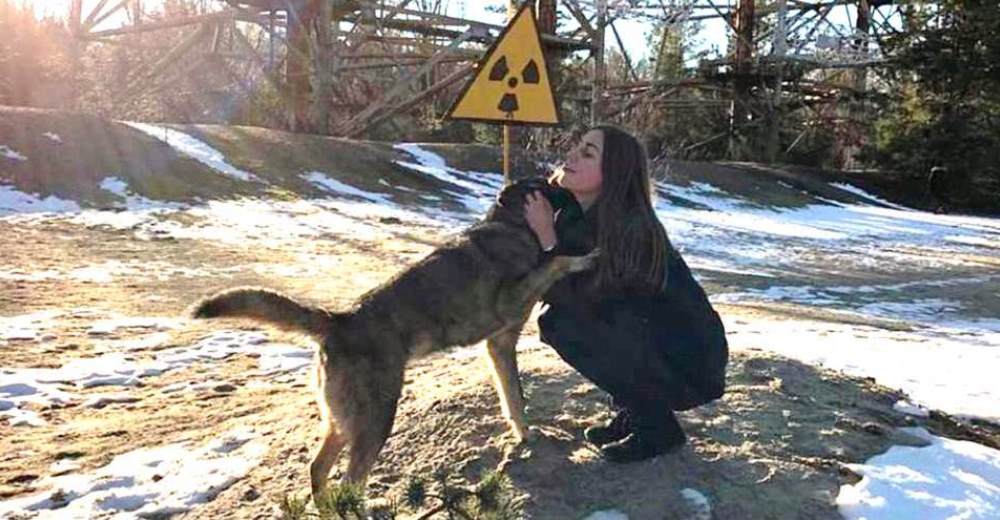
pixel 633 241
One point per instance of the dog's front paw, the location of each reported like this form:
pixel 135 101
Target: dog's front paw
pixel 585 262
pixel 522 432
pixel 529 435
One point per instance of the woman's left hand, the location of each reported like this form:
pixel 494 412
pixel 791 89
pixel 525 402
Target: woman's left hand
pixel 540 216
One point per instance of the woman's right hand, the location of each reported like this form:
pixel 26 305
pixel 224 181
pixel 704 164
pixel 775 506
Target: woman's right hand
pixel 541 219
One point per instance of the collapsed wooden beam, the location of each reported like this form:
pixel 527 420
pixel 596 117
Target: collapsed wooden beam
pixel 172 56
pixel 405 105
pixel 351 125
pixel 228 14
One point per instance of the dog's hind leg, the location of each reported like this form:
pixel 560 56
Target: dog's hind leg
pixel 370 425
pixel 502 349
pixel 322 463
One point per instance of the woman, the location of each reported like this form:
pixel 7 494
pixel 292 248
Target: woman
pixel 638 326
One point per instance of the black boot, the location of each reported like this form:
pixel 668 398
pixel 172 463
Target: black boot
pixel 647 441
pixel 616 430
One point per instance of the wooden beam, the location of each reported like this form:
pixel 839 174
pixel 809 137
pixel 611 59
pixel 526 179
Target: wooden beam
pixel 628 61
pixel 265 70
pixel 482 36
pixel 408 63
pixel 574 9
pixel 350 126
pixel 172 55
pixel 228 14
pixel 118 7
pixel 433 89
pixel 93 13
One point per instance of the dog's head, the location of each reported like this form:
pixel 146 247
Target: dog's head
pixel 510 203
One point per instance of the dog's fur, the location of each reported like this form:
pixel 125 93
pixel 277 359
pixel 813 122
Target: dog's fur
pixel 480 286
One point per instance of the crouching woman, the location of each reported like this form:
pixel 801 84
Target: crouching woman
pixel 638 326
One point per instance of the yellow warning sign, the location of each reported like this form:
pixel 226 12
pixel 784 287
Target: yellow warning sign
pixel 511 83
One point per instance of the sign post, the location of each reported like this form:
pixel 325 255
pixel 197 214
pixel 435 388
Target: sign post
pixel 511 85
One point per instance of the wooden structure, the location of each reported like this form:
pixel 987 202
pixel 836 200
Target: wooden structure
pixel 314 52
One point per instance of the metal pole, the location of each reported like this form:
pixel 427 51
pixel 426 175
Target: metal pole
pixel 511 11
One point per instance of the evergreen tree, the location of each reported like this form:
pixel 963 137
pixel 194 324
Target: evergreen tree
pixel 941 107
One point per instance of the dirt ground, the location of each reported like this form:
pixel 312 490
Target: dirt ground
pixel 773 447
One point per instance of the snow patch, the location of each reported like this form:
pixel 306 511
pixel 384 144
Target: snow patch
pixel 26 388
pixel 865 195
pixel 148 482
pixel 947 479
pixel 698 504
pixel 11 153
pixel 942 371
pixel 326 183
pixel 910 409
pixel 26 327
pixel 194 148
pixel 13 200
pixel 108 271
pixel 475 190
pixel 119 187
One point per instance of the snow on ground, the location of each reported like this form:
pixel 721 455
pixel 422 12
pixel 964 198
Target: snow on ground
pixel 329 184
pixel 943 372
pixel 948 479
pixel 476 190
pixel 911 409
pixel 147 483
pixel 701 508
pixel 194 148
pixel 11 153
pixel 27 327
pixel 23 389
pixel 111 270
pixel 814 255
pixel 869 300
pixel 120 187
pixel 243 221
pixel 864 194
pixel 14 201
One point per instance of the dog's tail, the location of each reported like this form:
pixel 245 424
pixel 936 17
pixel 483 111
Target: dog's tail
pixel 266 306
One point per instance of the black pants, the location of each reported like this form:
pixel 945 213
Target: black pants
pixel 616 350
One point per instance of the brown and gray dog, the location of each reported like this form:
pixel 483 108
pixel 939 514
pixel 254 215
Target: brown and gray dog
pixel 482 285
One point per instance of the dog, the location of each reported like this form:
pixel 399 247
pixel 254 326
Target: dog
pixel 481 285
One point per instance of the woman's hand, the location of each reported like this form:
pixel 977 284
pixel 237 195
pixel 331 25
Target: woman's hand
pixel 538 212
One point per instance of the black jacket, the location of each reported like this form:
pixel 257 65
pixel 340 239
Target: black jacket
pixel 681 326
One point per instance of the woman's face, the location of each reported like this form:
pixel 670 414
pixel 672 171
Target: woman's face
pixel 582 172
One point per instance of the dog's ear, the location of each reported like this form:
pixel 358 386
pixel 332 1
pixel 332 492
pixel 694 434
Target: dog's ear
pixel 513 196
pixel 562 199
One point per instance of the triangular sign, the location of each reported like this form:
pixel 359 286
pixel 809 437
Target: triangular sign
pixel 511 83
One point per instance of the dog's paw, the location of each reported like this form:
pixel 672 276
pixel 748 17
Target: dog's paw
pixel 529 434
pixel 585 262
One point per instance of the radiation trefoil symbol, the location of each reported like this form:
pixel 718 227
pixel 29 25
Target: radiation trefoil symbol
pixel 500 72
pixel 511 84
